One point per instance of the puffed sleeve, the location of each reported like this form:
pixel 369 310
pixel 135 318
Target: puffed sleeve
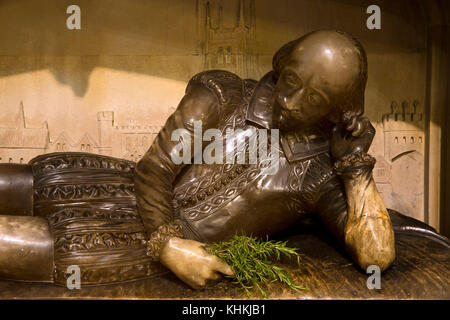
pixel 205 101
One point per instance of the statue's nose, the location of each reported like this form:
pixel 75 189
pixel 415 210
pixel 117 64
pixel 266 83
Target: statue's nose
pixel 293 101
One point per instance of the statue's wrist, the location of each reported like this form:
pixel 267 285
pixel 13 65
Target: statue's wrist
pixel 161 236
pixel 354 165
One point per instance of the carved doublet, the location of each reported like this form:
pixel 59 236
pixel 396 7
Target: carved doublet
pixel 216 201
pixel 238 197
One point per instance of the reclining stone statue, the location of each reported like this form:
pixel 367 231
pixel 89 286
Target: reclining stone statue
pixel 120 221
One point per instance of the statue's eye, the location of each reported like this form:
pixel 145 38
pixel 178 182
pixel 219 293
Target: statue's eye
pixel 314 99
pixel 291 80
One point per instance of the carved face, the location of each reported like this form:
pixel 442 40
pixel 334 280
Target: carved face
pixel 322 70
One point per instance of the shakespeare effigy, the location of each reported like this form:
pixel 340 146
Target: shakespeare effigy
pixel 120 221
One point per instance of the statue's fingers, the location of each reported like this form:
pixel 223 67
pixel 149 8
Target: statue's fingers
pixel 194 282
pixel 351 126
pixel 361 127
pixel 223 267
pixel 215 276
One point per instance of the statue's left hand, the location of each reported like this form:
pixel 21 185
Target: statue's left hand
pixel 354 136
pixel 190 261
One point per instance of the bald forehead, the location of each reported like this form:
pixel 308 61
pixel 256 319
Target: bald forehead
pixel 331 57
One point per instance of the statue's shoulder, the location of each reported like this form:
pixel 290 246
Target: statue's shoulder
pixel 226 85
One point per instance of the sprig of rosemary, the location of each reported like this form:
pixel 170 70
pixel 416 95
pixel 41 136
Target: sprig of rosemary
pixel 252 262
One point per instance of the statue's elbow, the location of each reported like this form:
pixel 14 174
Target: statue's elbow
pixel 382 258
pixel 379 251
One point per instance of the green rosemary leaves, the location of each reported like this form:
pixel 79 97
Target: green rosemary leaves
pixel 252 261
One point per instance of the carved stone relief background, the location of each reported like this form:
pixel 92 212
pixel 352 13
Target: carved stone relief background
pixel 399 147
pixel 109 87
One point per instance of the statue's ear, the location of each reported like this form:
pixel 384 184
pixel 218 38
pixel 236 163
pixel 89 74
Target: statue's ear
pixel 357 98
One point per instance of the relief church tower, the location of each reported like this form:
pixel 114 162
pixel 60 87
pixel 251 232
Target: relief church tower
pixel 228 45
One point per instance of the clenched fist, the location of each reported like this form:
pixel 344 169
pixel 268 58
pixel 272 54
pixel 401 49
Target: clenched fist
pixel 190 262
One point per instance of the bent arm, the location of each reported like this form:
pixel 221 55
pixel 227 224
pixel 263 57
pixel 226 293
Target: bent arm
pixel 355 213
pixel 154 178
pixel 156 172
pixel 369 236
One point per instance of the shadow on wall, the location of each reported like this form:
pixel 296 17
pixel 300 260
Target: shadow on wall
pixel 178 38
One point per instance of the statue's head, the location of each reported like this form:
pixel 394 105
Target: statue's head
pixel 320 76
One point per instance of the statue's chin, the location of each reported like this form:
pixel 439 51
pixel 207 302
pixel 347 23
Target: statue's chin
pixel 286 128
pixel 285 124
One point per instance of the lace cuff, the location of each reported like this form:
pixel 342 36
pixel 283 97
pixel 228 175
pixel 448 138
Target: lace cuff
pixel 354 164
pixel 160 236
